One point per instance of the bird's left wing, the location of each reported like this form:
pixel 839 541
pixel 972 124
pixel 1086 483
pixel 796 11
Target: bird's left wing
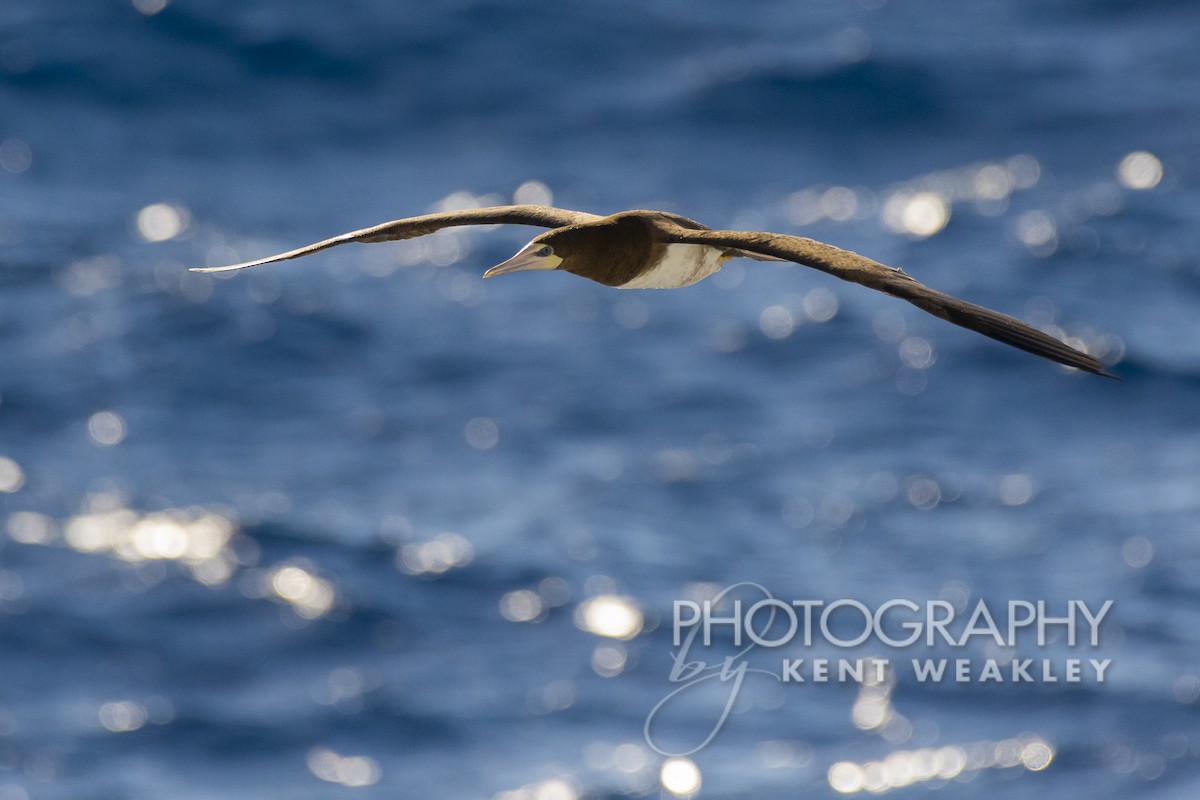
pixel 852 267
pixel 412 227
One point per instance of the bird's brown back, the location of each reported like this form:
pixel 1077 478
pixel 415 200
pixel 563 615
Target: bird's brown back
pixel 613 251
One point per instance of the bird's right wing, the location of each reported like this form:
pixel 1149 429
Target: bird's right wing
pixel 412 227
pixel 852 267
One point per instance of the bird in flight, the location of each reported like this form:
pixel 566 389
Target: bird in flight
pixel 660 250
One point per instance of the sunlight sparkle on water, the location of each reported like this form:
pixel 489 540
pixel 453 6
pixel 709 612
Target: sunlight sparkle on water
pixel 680 776
pixel 820 305
pixel 917 352
pixel 993 182
pixel 873 710
pixel 906 767
pixel 534 193
pixel 106 428
pixel 30 527
pixel 776 322
pixel 12 477
pixel 122 716
pixel 923 492
pixel 522 605
pixel 15 156
pixel 160 222
pixel 197 538
pixel 922 206
pixel 482 433
pixel 149 7
pixel 609 660
pixel 310 596
pixel 1140 170
pixel 1016 489
pixel 1137 551
pixel 610 615
pixel 352 771
pixel 552 789
pixel 1037 231
pixel 920 214
pixel 839 203
pixel 440 554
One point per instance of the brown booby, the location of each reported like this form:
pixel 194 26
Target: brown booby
pixel 660 250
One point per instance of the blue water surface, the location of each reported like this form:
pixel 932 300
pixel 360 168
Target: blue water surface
pixel 367 525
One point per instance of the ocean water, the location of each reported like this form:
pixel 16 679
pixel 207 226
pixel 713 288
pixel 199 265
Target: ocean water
pixel 366 525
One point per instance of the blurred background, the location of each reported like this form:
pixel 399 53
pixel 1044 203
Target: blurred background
pixel 367 525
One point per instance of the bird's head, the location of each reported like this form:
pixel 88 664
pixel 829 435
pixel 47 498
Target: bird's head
pixel 543 252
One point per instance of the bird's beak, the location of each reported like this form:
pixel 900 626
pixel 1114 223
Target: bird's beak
pixel 526 259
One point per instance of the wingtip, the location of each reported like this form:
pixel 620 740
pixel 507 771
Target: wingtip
pixel 1090 365
pixel 231 267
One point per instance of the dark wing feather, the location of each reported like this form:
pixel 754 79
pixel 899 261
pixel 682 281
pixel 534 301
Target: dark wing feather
pixel 412 227
pixel 858 269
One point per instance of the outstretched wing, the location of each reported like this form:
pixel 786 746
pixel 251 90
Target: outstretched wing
pixel 412 227
pixel 855 268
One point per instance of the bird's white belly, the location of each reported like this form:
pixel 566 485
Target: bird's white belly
pixel 681 265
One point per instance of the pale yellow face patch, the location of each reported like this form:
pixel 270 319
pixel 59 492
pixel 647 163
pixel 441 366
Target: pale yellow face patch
pixel 534 255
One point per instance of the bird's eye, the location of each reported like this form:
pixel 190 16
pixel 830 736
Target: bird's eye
pixel 545 251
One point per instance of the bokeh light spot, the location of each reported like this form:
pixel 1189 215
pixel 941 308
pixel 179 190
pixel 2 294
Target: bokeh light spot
pixel 309 596
pixel 30 527
pixel 122 716
pixel 1016 489
pixel 15 156
pixel 482 433
pixel 1036 755
pixel 680 776
pixel 438 555
pixel 820 305
pixel 776 322
pixel 903 768
pixel 533 193
pixel 1140 170
pixel 160 222
pixel 846 777
pixel 522 605
pixel 610 615
pixel 920 214
pixel 1186 689
pixel 608 660
pixel 106 428
pixel 351 771
pixel 1037 231
pixel 917 352
pixel 149 7
pixel 1137 551
pixel 12 477
pixel 924 493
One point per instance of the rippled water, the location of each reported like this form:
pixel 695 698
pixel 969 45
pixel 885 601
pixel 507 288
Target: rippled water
pixel 366 524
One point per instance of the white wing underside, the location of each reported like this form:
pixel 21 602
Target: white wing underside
pixel 683 265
